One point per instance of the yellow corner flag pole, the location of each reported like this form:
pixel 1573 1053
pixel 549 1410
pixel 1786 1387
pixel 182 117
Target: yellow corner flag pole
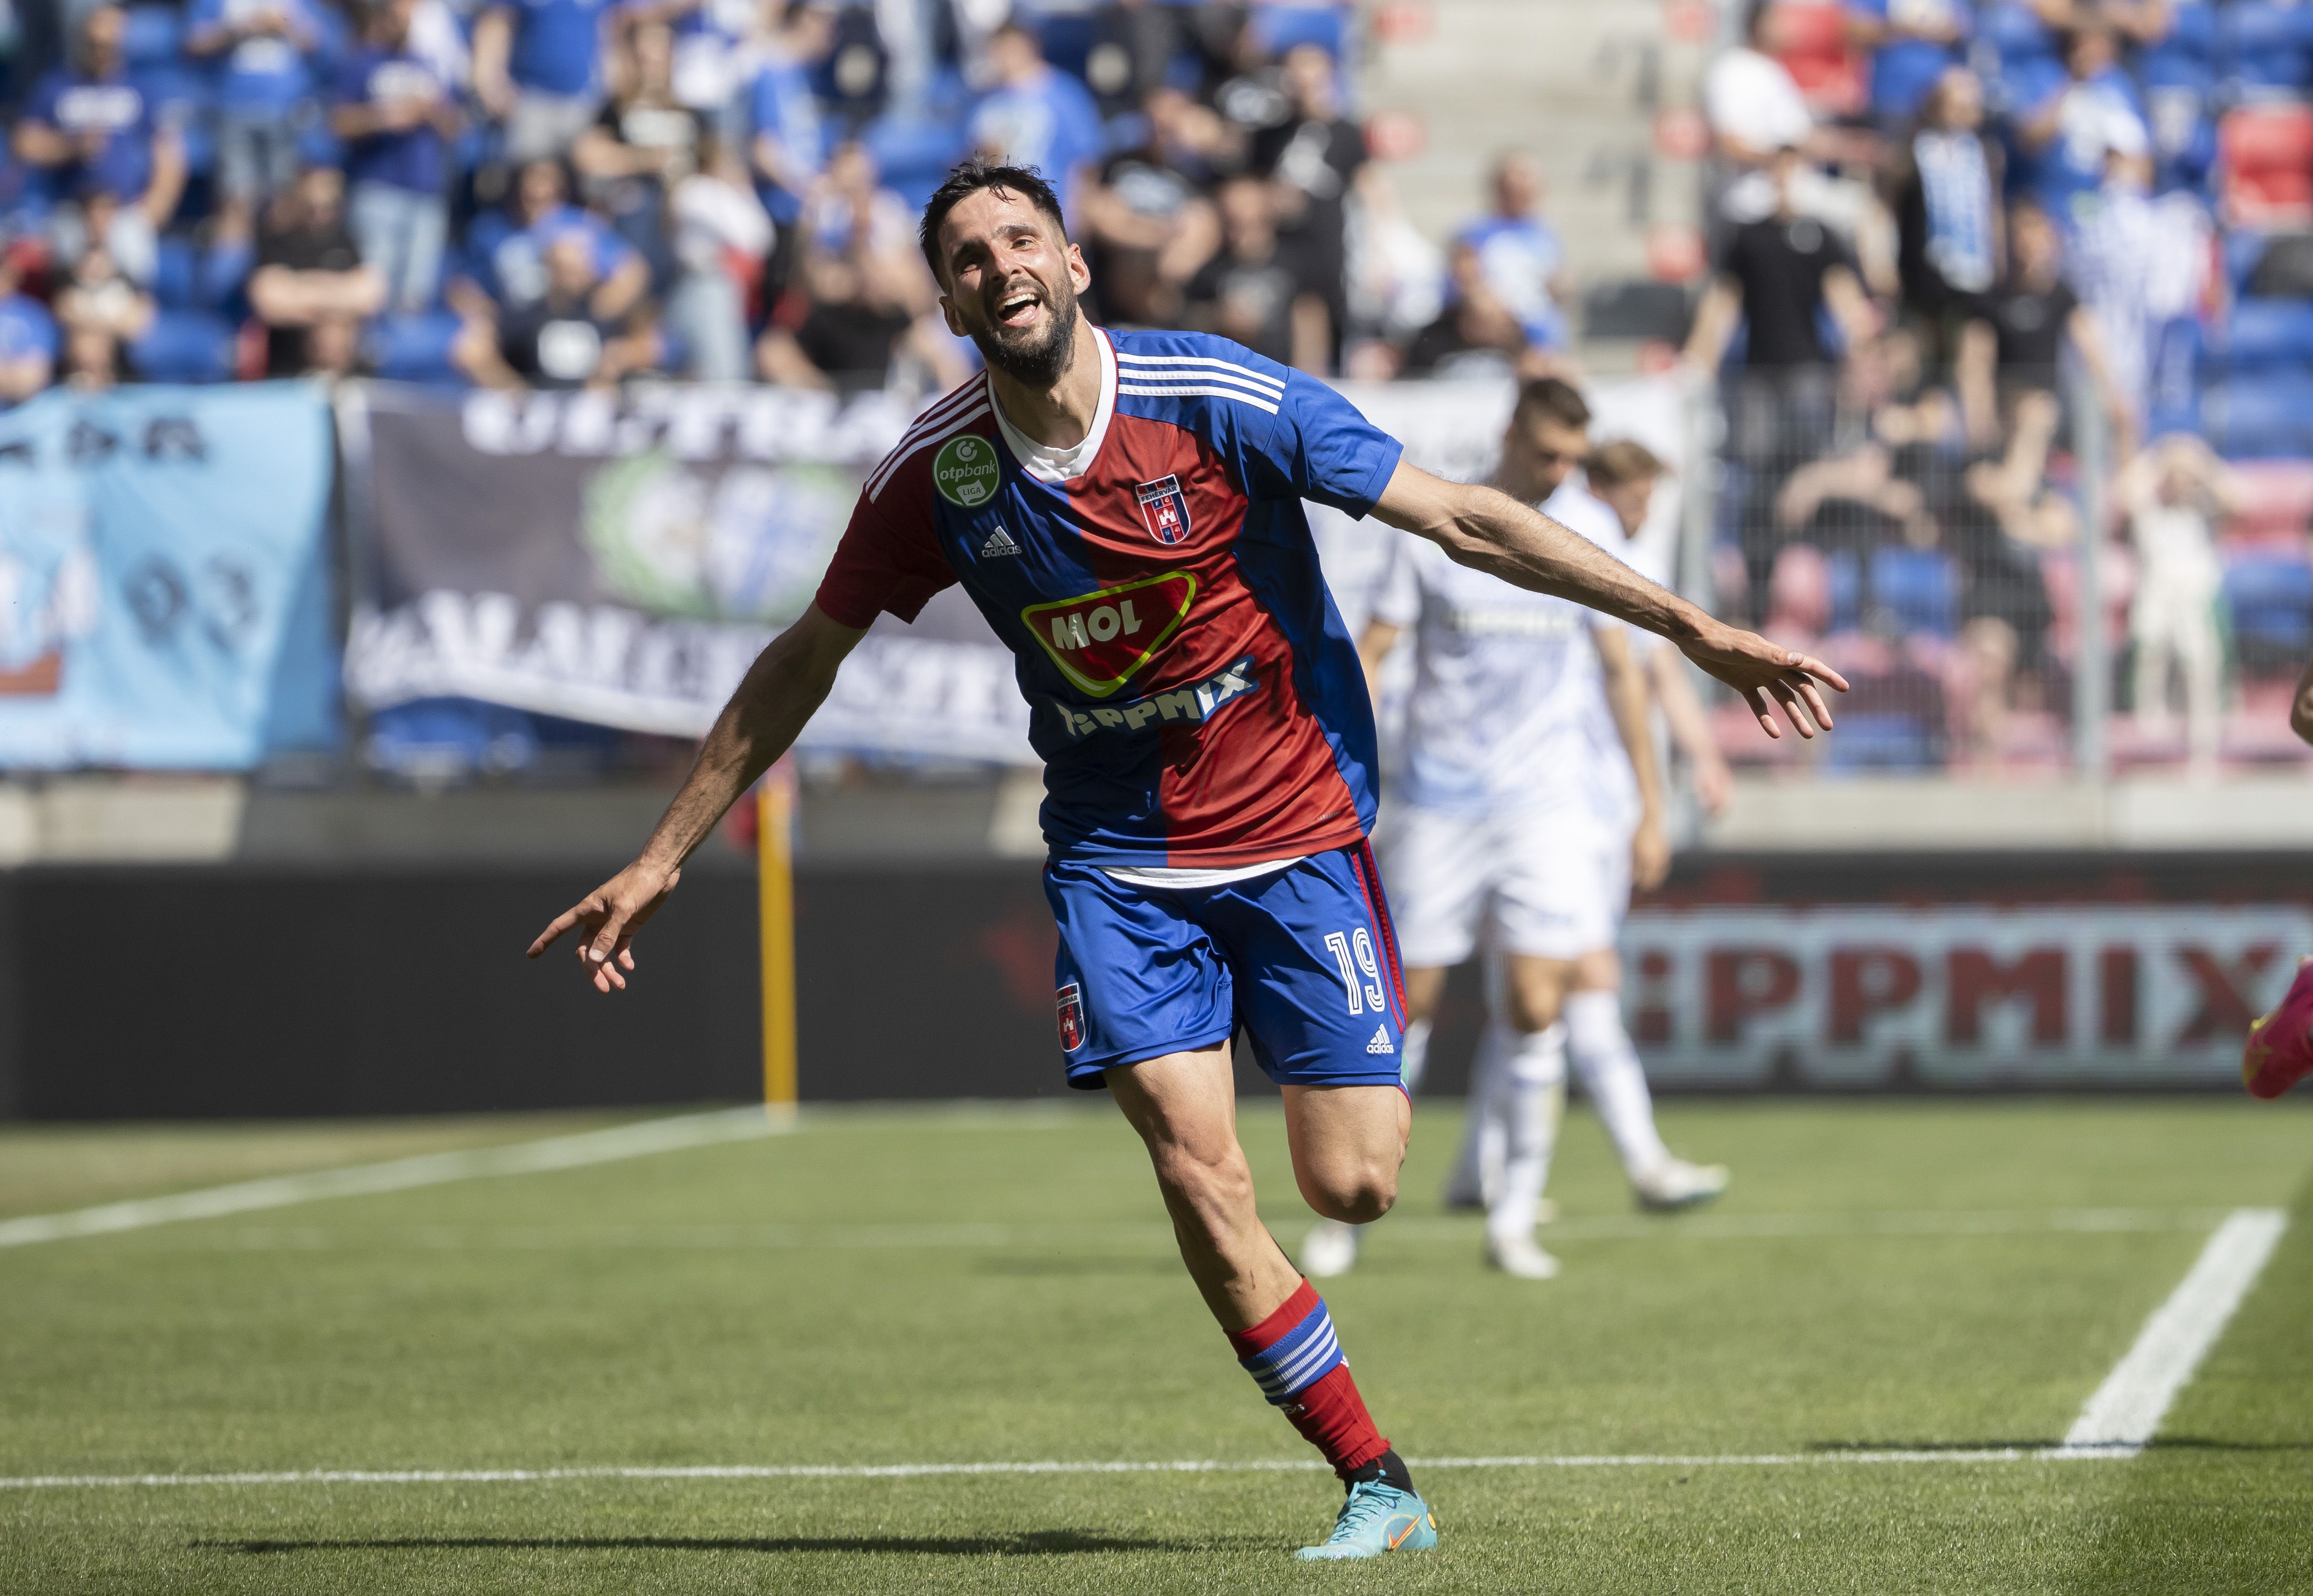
pixel 775 809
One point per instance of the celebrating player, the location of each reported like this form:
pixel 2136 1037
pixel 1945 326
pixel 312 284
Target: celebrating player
pixel 2278 1052
pixel 1125 510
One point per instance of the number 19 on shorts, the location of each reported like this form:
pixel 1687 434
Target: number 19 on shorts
pixel 1361 971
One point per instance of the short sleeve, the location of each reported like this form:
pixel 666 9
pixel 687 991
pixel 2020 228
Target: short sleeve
pixel 1397 593
pixel 883 567
pixel 1321 447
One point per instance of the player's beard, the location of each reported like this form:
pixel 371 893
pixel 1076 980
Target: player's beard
pixel 1036 360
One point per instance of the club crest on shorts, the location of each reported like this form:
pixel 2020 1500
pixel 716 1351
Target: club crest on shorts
pixel 1165 508
pixel 1069 1004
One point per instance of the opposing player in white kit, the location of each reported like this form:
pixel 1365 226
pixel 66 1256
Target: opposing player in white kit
pixel 1496 823
pixel 1619 479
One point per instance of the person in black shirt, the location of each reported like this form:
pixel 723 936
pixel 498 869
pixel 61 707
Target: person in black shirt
pixel 1256 289
pixel 1312 155
pixel 310 288
pixel 560 341
pixel 1146 223
pixel 1476 335
pixel 2026 320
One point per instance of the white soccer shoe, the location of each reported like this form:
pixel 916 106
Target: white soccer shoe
pixel 1519 1255
pixel 1675 1184
pixel 1329 1250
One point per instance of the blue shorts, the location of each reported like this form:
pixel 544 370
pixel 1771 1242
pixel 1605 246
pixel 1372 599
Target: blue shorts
pixel 1303 958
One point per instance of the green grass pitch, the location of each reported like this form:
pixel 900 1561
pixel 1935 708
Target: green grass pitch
pixel 911 1286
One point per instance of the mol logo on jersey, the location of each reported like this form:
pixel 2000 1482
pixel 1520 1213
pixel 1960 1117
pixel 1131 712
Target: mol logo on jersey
pixel 1100 640
pixel 1165 508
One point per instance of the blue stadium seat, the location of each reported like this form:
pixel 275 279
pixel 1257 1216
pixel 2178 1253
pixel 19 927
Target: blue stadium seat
pixel 1846 589
pixel 2270 596
pixel 2188 55
pixel 415 348
pixel 1068 37
pixel 152 34
pixel 2270 334
pixel 450 739
pixel 1918 587
pixel 2260 414
pixel 176 274
pixel 1883 741
pixel 185 346
pixel 913 154
pixel 2265 44
pixel 1277 28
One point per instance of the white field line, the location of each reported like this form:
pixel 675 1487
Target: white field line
pixel 839 1238
pixel 429 1477
pixel 398 1175
pixel 2125 1411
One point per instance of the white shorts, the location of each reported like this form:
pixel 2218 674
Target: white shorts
pixel 1551 883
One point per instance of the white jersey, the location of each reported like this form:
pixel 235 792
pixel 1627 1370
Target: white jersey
pixel 1508 707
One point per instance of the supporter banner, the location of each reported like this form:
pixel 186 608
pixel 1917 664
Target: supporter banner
pixel 165 598
pixel 1955 994
pixel 622 560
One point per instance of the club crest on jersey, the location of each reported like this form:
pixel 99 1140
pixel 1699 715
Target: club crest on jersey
pixel 1101 639
pixel 1069 1004
pixel 1165 508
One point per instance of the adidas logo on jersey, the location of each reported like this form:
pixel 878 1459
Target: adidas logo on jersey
pixel 1381 1042
pixel 1183 706
pixel 999 543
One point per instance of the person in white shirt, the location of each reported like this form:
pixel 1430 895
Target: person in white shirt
pixel 2171 492
pixel 1620 478
pixel 1505 818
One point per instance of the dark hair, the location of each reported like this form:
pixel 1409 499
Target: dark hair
pixel 1554 398
pixel 968 178
pixel 1624 460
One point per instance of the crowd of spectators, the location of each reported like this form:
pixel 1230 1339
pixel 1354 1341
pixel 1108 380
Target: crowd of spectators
pixel 1977 272
pixel 562 193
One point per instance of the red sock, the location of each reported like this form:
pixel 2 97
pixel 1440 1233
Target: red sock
pixel 1294 1358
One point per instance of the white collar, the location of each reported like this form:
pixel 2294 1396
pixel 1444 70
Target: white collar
pixel 1049 464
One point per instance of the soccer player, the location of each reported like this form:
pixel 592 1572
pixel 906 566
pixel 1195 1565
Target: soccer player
pixel 1125 510
pixel 2278 1052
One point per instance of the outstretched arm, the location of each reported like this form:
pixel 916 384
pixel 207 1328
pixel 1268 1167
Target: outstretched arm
pixel 785 684
pixel 1491 532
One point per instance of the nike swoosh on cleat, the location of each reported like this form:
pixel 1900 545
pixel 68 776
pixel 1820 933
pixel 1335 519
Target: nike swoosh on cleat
pixel 1399 1540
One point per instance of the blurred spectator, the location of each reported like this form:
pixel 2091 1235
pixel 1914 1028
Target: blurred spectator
pixel 2139 262
pixel 1520 253
pixel 1034 116
pixel 1395 278
pixel 507 250
pixel 1145 223
pixel 264 93
pixel 2028 318
pixel 1754 105
pixel 788 144
pixel 90 129
pixel 92 358
pixel 643 142
pixel 101 311
pixel 1912 43
pixel 712 44
pixel 310 288
pixel 867 299
pixel 562 339
pixel 2171 492
pixel 1257 289
pixel 721 236
pixel 28 341
pixel 538 69
pixel 1312 155
pixel 1476 335
pixel 1133 45
pixel 2090 116
pixel 397 117
pixel 1946 205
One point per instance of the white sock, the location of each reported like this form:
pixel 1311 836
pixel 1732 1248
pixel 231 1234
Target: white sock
pixel 1611 1074
pixel 1533 1095
pixel 1414 1055
pixel 1477 1166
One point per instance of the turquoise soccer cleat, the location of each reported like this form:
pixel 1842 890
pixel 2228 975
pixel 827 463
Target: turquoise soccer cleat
pixel 1377 1519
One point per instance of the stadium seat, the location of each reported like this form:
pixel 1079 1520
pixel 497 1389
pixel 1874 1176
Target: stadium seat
pixel 2269 334
pixel 176 274
pixel 1067 38
pixel 415 348
pixel 912 155
pixel 1278 28
pixel 2264 46
pixel 437 741
pixel 1918 587
pixel 152 34
pixel 1811 42
pixel 2271 597
pixel 1884 742
pixel 2188 54
pixel 185 346
pixel 2256 414
pixel 2267 152
pixel 2276 501
pixel 1845 574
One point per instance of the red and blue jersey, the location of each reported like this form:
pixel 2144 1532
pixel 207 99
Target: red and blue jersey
pixel 1195 696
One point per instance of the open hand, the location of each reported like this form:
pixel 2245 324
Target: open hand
pixel 1766 676
pixel 607 918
